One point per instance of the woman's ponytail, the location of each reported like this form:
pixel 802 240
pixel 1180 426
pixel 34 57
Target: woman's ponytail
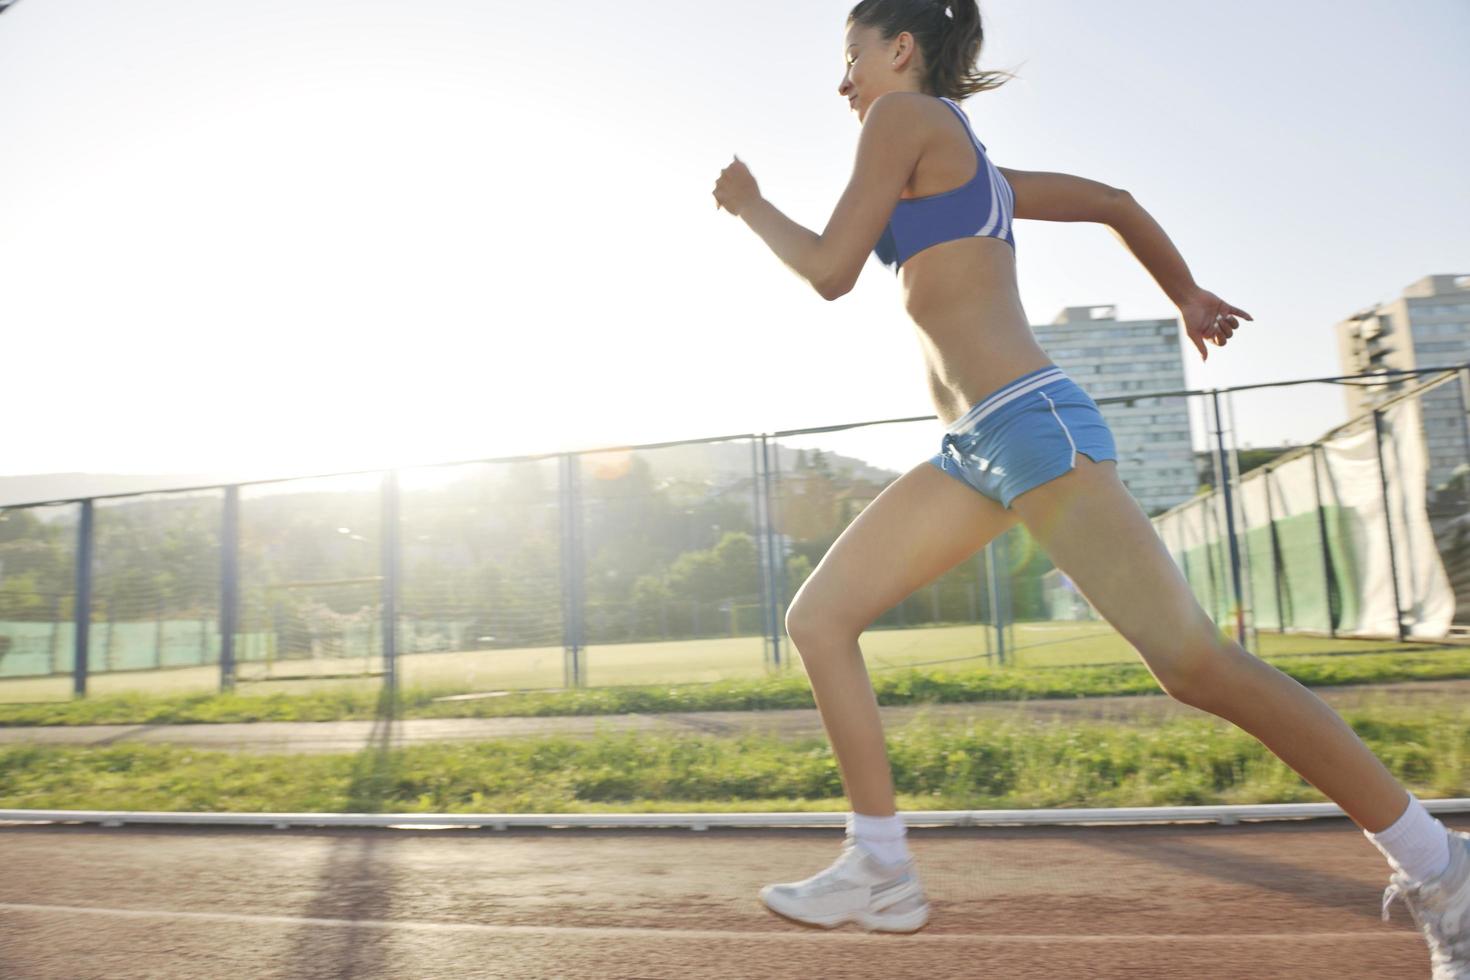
pixel 948 33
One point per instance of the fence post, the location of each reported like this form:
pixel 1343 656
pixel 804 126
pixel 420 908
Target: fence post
pixel 82 614
pixel 1247 575
pixel 992 590
pixel 573 622
pixel 1275 552
pixel 1326 549
pixel 1224 479
pixel 1218 606
pixel 388 556
pixel 1006 604
pixel 773 623
pixel 1398 606
pixel 779 556
pixel 229 580
pixel 1209 521
pixel 982 558
pixel 755 523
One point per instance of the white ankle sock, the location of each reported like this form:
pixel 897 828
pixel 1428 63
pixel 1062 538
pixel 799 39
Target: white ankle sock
pixel 1416 844
pixel 883 837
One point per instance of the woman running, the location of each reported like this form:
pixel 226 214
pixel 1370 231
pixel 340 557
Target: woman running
pixel 1022 443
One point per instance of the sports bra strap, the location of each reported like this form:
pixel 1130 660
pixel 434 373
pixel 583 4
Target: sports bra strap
pixel 963 118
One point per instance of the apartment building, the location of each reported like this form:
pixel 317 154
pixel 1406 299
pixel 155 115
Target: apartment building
pixel 1428 325
pixel 1109 357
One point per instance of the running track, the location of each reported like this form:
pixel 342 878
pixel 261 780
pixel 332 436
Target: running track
pixel 1293 900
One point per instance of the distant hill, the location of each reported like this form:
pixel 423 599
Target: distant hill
pixel 721 462
pixel 713 462
pixel 67 486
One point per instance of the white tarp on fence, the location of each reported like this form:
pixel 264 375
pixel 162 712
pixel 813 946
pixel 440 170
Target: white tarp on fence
pixel 1313 541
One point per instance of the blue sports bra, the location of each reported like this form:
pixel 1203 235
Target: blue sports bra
pixel 983 205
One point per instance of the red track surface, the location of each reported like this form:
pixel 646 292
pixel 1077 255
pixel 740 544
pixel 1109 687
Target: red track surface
pixel 1295 900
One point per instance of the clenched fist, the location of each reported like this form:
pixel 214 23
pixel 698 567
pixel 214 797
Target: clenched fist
pixel 736 188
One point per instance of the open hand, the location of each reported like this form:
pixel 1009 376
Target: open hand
pixel 1208 317
pixel 735 188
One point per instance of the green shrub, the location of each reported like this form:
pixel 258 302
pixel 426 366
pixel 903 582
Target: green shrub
pixel 1014 763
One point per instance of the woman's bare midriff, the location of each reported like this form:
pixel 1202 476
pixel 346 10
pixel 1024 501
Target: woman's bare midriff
pixel 962 297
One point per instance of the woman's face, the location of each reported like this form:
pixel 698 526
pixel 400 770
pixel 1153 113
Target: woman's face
pixel 872 66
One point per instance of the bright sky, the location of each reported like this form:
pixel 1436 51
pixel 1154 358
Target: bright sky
pixel 303 235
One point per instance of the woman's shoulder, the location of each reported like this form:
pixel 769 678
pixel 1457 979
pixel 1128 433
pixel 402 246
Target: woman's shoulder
pixel 924 115
pixel 912 102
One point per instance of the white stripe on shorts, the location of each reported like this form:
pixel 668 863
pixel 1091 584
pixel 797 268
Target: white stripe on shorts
pixel 1004 397
pixel 1065 431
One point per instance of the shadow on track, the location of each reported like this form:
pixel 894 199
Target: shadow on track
pixel 355 882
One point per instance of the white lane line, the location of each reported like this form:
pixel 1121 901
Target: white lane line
pixel 641 932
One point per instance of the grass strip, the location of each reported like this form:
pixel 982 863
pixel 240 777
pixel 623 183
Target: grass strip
pixel 936 765
pixel 915 686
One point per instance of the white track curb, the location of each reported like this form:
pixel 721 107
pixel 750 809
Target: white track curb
pixel 1223 815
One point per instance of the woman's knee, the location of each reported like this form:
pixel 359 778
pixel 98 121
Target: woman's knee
pixel 1191 670
pixel 810 621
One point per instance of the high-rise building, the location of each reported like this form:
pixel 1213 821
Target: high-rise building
pixel 1108 357
pixel 1428 326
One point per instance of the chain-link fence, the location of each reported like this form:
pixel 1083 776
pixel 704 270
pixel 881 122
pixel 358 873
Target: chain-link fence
pixel 1360 533
pixel 677 562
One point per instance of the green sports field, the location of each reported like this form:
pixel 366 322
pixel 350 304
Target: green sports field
pixel 961 647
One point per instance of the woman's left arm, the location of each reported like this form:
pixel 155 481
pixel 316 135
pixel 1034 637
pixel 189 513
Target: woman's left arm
pixel 1206 316
pixel 888 149
pixel 1064 197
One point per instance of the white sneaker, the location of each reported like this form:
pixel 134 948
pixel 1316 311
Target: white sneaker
pixel 1441 908
pixel 856 888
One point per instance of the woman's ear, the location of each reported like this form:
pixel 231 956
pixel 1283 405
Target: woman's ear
pixel 905 42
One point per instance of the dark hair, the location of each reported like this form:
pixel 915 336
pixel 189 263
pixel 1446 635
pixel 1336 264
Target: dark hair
pixel 950 45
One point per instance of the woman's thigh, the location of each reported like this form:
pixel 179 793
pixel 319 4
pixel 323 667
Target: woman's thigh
pixel 1097 534
pixel 920 526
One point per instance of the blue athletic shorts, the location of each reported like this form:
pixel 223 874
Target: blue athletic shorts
pixel 1028 432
